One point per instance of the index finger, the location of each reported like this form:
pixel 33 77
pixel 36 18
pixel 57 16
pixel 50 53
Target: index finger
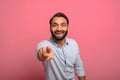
pixel 44 52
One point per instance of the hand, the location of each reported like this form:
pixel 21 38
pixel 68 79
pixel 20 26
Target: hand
pixel 82 78
pixel 45 53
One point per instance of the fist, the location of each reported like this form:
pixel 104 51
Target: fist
pixel 45 53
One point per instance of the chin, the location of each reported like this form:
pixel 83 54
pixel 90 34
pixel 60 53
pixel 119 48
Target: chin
pixel 59 38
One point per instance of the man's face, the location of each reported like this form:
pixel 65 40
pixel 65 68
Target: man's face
pixel 59 28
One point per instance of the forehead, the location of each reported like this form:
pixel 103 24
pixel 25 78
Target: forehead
pixel 59 20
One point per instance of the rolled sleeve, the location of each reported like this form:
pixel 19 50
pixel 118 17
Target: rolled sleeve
pixel 79 66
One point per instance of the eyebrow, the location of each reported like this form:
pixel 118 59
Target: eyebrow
pixel 55 23
pixel 63 23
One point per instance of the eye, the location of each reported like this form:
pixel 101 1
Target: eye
pixel 63 24
pixel 54 25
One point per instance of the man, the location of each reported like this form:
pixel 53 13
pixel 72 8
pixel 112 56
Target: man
pixel 60 55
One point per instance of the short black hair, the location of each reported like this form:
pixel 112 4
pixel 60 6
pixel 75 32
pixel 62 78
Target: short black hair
pixel 59 14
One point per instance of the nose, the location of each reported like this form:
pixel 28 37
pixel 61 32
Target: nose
pixel 59 27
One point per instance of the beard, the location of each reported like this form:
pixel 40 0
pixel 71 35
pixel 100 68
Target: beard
pixel 58 38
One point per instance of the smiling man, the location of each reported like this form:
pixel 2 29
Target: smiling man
pixel 60 55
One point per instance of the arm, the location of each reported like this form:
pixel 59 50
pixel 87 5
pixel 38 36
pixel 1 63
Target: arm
pixel 79 68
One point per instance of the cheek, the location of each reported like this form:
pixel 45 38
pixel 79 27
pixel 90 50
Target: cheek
pixel 65 29
pixel 53 29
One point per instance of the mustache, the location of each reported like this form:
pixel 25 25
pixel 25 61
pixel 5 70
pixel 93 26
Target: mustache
pixel 59 31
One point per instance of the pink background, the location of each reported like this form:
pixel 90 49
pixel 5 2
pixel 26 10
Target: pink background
pixel 94 24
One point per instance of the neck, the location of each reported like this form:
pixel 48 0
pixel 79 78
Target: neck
pixel 60 43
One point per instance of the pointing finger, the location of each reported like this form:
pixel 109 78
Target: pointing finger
pixel 43 50
pixel 48 49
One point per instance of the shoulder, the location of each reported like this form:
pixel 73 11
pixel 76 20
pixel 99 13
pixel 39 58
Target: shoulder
pixel 43 43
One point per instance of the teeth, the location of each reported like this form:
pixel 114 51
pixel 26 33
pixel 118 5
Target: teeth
pixel 59 32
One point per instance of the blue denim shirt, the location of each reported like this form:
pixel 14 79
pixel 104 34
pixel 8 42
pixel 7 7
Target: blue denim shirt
pixel 66 60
